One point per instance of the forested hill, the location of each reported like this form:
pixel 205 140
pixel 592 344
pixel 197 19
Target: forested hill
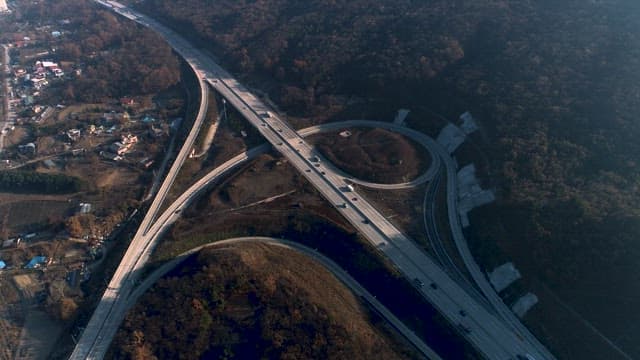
pixel 555 84
pixel 251 301
pixel 557 69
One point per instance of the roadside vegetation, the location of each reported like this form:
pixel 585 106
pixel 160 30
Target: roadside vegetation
pixel 554 85
pixel 286 205
pixel 39 183
pixel 250 301
pixel 116 57
pixel 94 98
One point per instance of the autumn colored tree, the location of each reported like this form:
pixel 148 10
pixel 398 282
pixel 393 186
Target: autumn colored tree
pixel 73 225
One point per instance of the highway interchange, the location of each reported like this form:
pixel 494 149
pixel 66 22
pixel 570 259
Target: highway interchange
pixel 487 333
pixel 124 277
pixel 490 335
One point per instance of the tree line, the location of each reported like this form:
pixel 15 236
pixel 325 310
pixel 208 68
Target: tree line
pixel 116 57
pixel 28 182
pixel 558 110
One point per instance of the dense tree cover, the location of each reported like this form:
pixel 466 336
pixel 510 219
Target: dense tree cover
pixel 248 304
pixel 555 84
pixel 319 48
pixel 117 57
pixel 38 183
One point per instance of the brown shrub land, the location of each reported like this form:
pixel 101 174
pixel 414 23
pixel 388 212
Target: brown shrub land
pixel 251 301
pixel 374 155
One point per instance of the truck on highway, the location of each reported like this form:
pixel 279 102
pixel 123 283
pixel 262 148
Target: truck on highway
pixel 348 188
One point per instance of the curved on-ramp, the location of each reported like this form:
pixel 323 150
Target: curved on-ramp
pixel 126 273
pixel 328 264
pixel 169 216
pixel 422 139
pixel 492 337
pixel 149 239
pixel 439 153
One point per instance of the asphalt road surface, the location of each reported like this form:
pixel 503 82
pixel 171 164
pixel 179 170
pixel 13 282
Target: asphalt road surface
pixel 424 141
pixel 487 333
pixel 334 268
pixel 127 272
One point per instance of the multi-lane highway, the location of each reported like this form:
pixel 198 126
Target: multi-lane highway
pixel 486 332
pixel 503 311
pixel 104 323
pixel 126 275
pixel 493 338
pixel 334 268
pixel 507 316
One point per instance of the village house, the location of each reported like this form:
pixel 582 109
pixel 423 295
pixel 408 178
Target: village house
pixel 126 101
pixel 28 149
pixel 73 134
pixel 110 156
